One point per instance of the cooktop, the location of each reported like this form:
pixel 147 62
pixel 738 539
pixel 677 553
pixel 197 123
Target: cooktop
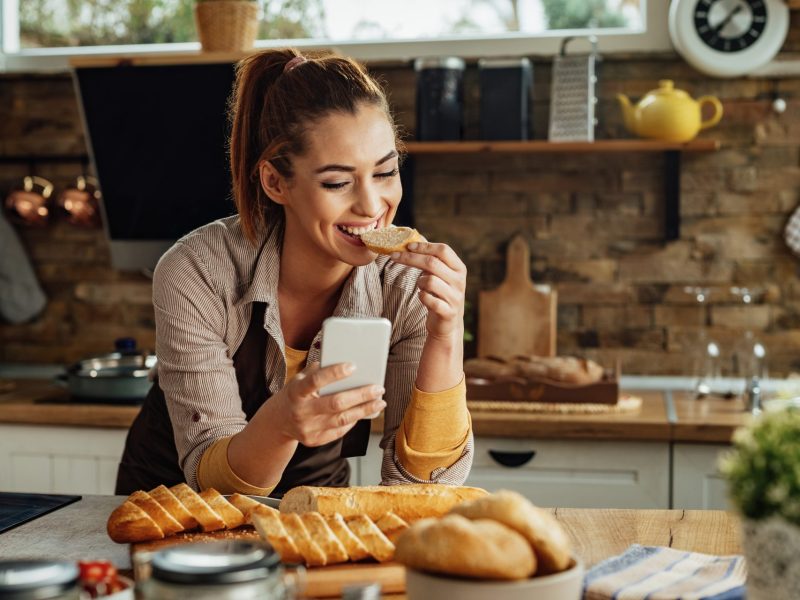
pixel 19 508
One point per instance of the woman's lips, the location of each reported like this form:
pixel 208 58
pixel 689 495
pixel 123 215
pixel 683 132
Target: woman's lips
pixel 353 240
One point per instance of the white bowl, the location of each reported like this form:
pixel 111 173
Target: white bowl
pixel 567 585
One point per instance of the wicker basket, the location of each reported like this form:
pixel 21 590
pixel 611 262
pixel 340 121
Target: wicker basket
pixel 226 25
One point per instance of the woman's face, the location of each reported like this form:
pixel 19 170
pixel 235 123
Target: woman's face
pixel 346 183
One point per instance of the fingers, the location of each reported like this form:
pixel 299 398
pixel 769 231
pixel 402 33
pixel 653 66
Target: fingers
pixel 436 287
pixel 344 401
pixel 436 259
pixel 309 382
pixel 335 425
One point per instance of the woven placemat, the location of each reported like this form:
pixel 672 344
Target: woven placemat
pixel 625 404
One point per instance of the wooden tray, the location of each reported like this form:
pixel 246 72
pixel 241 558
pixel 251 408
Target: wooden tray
pixel 321 582
pixel 511 389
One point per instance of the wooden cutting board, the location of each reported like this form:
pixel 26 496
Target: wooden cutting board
pixel 518 317
pixel 321 582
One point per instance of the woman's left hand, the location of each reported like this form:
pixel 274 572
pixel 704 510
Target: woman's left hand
pixel 441 286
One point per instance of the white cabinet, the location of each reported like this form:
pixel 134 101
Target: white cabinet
pixel 697 483
pixel 59 460
pixel 580 474
pixel 575 473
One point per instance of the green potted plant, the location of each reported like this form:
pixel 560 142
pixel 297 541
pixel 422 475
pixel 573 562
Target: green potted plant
pixel 226 25
pixel 763 473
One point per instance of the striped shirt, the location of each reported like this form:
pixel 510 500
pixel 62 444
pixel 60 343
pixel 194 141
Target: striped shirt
pixel 203 290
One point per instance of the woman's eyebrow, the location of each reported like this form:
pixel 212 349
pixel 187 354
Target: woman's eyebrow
pixel 348 169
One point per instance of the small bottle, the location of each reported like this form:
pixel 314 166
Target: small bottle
pixel 39 580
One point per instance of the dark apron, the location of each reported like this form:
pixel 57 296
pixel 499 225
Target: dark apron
pixel 151 459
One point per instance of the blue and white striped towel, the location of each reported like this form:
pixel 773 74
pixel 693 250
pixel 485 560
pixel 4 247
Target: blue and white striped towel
pixel 657 573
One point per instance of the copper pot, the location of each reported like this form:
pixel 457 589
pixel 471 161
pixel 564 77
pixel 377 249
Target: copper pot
pixel 30 204
pixel 80 202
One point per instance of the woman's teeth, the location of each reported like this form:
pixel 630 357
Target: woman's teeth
pixel 356 231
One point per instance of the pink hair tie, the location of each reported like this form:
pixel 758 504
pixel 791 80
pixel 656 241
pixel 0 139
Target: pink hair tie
pixel 297 60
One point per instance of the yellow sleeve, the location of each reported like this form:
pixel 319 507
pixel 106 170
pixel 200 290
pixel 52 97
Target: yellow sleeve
pixel 434 432
pixel 214 471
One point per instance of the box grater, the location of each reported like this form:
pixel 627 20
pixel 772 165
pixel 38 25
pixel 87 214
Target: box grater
pixel 573 99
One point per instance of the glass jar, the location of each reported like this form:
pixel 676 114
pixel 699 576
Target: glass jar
pixel 221 570
pixel 39 580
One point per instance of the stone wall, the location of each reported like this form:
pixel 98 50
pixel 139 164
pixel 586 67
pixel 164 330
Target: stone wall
pixel 594 223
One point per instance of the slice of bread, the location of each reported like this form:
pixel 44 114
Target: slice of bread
pixel 156 512
pixel 312 553
pixel 207 517
pixel 392 526
pixel 173 506
pixel 270 527
pixel 356 549
pixel 390 239
pixel 328 542
pixel 232 516
pixel 129 523
pixel 378 545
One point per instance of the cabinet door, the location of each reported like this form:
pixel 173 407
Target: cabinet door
pixel 697 483
pixel 370 464
pixel 59 460
pixel 577 474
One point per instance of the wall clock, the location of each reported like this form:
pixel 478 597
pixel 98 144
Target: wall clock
pixel 727 38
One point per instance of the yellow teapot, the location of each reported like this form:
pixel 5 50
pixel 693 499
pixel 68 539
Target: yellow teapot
pixel 668 114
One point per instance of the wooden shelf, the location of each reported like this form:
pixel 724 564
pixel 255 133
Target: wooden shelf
pixel 465 147
pixel 672 161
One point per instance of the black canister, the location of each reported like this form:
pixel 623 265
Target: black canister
pixel 440 98
pixel 505 85
pixel 39 580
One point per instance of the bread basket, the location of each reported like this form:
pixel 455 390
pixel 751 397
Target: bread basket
pixel 226 25
pixel 567 585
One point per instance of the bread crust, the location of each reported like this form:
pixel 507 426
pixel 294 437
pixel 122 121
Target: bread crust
pixel 378 545
pixel 455 545
pixel 391 526
pixel 409 502
pixel 325 538
pixel 129 523
pixel 163 519
pixel 542 531
pixel 207 517
pixel 355 548
pixel 311 552
pixel 231 516
pixel 270 527
pixel 173 506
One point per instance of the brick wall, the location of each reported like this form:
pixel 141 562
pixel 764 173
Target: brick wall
pixel 594 223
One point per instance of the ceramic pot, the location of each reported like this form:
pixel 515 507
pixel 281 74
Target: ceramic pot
pixel 772 550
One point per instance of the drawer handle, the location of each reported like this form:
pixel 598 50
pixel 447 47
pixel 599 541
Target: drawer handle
pixel 512 459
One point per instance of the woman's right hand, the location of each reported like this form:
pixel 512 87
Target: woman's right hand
pixel 312 419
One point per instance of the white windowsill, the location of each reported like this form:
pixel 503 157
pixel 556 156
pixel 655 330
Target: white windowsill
pixel 610 41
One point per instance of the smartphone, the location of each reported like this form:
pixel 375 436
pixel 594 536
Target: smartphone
pixel 361 341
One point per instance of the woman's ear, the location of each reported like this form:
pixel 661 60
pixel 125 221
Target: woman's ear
pixel 272 182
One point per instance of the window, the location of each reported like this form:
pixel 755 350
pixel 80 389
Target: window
pixel 380 29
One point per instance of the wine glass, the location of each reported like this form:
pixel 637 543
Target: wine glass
pixel 704 355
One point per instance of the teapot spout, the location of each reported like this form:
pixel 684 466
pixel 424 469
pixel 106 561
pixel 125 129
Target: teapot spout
pixel 627 112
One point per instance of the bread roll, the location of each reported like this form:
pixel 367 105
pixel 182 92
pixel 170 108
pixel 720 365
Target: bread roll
pixel 454 545
pixel 409 502
pixel 544 533
pixel 390 239
pixel 490 367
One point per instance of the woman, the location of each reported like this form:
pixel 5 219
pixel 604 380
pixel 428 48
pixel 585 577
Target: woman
pixel 239 304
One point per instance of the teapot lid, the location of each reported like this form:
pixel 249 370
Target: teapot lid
pixel 666 87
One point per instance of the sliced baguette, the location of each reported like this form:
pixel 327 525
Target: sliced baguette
pixel 355 548
pixel 231 515
pixel 207 517
pixel 392 526
pixel 378 545
pixel 390 239
pixel 173 506
pixel 409 502
pixel 270 527
pixel 325 538
pixel 312 553
pixel 156 512
pixel 129 523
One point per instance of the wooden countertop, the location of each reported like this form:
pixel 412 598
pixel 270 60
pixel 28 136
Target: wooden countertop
pixel 663 417
pixel 78 532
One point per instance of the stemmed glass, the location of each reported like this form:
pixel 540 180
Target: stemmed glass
pixel 705 353
pixel 749 356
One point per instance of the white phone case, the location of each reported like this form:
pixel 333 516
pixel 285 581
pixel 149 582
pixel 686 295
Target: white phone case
pixel 361 341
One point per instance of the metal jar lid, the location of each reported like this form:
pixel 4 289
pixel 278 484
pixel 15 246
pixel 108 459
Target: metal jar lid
pixel 209 563
pixel 503 63
pixel 439 62
pixel 37 579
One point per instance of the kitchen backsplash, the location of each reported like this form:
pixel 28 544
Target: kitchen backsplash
pixel 594 223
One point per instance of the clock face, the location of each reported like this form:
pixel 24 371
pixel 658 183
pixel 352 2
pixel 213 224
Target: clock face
pixel 728 38
pixel 730 25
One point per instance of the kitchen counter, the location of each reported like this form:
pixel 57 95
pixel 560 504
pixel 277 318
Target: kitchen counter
pixel 78 532
pixel 664 416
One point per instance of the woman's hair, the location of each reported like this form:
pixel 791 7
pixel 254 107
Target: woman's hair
pixel 271 109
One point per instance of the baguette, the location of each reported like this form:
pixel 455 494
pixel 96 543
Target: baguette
pixel 355 548
pixel 328 542
pixel 164 496
pixel 378 545
pixel 390 239
pixel 309 549
pixel 129 523
pixel 270 528
pixel 168 524
pixel 392 526
pixel 409 502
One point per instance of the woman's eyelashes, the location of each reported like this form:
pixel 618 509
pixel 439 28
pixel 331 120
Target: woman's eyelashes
pixel 340 184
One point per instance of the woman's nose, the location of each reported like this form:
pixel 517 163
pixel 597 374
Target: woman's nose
pixel 368 202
